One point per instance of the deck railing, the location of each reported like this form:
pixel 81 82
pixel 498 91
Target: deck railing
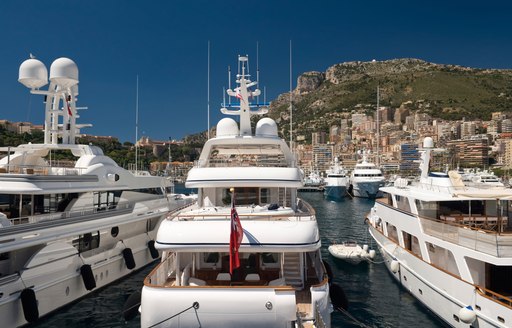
pixel 41 170
pixel 485 241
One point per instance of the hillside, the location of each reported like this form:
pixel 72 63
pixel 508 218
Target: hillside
pixel 444 91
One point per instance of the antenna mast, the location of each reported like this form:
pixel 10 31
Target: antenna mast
pixel 208 90
pixel 291 100
pixel 137 126
pixel 378 127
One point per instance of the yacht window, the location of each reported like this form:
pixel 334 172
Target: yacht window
pixel 87 241
pixel 211 257
pixel 427 210
pixel 443 258
pixel 246 196
pixel 392 232
pixel 264 196
pixel 270 260
pixel 402 203
pixel 106 199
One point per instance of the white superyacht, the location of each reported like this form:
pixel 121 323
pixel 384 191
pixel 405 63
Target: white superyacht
pixel 281 280
pixel 366 179
pixel 336 182
pixel 66 231
pixel 449 244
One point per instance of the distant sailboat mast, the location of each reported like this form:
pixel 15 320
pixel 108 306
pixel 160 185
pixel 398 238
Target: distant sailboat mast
pixel 377 161
pixel 137 126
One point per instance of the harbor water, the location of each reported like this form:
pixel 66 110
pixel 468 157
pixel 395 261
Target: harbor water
pixel 375 299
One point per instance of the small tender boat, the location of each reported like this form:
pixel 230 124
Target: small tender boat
pixel 351 252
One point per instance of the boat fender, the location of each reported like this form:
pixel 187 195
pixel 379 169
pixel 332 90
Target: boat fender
pixel 328 270
pixel 152 249
pixel 88 277
pixel 128 258
pixel 372 253
pixel 338 297
pixel 365 248
pixel 467 314
pixel 29 304
pixel 394 266
pixel 131 306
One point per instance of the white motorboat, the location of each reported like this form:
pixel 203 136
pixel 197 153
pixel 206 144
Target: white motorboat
pixel 336 182
pixel 68 230
pixel 282 280
pixel 351 251
pixel 448 244
pixel 366 179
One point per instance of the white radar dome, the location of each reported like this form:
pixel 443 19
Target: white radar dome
pixel 33 74
pixel 428 142
pixel 227 127
pixel 266 127
pixel 64 72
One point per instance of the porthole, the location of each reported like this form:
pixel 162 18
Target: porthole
pixel 106 274
pixel 101 276
pixel 67 291
pixel 500 319
pixel 405 278
pixel 478 307
pixel 114 231
pixel 456 318
pixel 421 292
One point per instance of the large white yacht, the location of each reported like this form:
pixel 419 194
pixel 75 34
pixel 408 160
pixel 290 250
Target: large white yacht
pixel 66 231
pixel 366 179
pixel 281 280
pixel 449 245
pixel 336 182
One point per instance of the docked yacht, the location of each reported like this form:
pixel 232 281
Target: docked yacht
pixel 336 182
pixel 482 178
pixel 366 179
pixel 449 245
pixel 68 230
pixel 281 280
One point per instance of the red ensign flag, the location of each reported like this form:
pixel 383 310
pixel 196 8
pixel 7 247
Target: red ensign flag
pixel 235 239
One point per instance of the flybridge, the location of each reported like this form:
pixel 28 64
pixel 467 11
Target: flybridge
pixel 244 108
pixel 60 109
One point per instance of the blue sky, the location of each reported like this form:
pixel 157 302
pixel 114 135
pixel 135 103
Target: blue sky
pixel 165 44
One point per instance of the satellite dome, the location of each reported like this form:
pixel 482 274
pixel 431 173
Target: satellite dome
pixel 33 74
pixel 64 72
pixel 227 127
pixel 428 142
pixel 266 127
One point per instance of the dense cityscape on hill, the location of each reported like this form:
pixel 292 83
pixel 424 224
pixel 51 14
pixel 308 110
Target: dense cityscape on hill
pixel 465 110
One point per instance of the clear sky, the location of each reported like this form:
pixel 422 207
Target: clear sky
pixel 165 43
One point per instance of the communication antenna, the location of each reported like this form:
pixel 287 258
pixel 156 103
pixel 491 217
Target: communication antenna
pixel 257 69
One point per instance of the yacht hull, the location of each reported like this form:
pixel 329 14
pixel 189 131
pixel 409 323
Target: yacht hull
pixel 440 292
pixel 367 189
pixel 335 192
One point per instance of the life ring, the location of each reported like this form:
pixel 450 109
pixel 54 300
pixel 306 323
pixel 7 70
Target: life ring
pixel 153 250
pixel 88 277
pixel 128 258
pixel 29 303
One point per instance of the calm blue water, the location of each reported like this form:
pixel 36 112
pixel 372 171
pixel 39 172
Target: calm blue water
pixel 375 300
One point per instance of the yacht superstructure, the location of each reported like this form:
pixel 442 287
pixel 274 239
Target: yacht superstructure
pixel 281 280
pixel 337 181
pixel 68 230
pixel 366 179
